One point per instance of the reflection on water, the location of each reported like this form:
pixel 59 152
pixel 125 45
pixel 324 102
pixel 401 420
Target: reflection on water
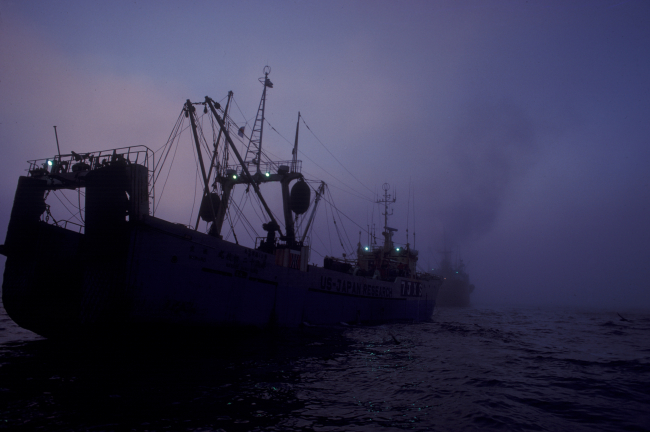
pixel 513 369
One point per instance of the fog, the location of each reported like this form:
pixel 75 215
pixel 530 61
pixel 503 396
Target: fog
pixel 516 133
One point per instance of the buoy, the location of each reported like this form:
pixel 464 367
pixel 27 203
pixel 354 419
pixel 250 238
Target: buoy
pixel 300 195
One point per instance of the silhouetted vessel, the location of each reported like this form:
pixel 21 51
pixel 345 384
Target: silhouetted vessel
pixel 455 289
pixel 123 269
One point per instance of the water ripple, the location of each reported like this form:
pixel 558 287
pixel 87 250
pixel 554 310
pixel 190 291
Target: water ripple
pixel 468 369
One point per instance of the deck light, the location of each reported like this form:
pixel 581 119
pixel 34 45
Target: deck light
pixel 268 174
pixel 367 248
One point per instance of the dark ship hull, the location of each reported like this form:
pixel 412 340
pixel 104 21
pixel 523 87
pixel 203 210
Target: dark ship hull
pixel 454 292
pixel 455 289
pixel 158 274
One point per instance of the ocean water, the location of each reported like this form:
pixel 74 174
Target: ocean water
pixel 480 368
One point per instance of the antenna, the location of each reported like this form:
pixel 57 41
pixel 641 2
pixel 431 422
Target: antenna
pixel 413 191
pixel 388 199
pixel 294 161
pixel 388 232
pixel 408 211
pixel 57 143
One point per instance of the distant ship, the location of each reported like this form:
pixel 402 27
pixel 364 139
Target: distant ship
pixel 455 289
pixel 123 269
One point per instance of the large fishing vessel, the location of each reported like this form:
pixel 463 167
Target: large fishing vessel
pixel 455 289
pixel 124 269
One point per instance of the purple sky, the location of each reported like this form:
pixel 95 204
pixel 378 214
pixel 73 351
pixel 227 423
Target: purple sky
pixel 522 126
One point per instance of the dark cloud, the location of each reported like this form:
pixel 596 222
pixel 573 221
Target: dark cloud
pixel 492 146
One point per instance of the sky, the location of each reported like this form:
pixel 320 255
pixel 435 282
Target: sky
pixel 515 132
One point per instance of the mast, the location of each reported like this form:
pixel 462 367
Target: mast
pixel 249 177
pixel 313 210
pixel 294 161
pixel 191 110
pixel 59 148
pixel 214 159
pixel 216 143
pixel 287 178
pixel 255 141
pixel 388 232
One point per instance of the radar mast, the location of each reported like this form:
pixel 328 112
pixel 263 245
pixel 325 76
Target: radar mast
pixel 255 142
pixel 386 201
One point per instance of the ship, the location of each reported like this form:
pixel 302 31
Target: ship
pixel 455 289
pixel 123 270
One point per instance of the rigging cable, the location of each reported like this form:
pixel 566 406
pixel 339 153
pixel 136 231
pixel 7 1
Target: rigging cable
pixel 64 206
pixel 166 178
pixel 356 193
pixel 79 201
pixel 242 203
pixel 342 226
pixel 408 208
pixel 203 141
pixel 172 137
pixel 347 217
pixel 321 143
pixel 321 242
pixel 240 214
pixel 248 227
pixel 261 219
pixel 329 234
pixel 232 228
pixel 242 114
pixel 72 204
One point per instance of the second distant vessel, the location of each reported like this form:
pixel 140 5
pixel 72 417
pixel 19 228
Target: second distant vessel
pixel 455 289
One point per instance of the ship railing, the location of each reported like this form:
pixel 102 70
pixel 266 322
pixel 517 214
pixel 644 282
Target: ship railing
pixel 426 276
pixel 268 167
pixel 79 162
pixel 259 241
pixel 69 166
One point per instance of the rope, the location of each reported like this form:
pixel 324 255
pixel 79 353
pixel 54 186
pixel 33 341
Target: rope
pixel 196 181
pixel 64 206
pixel 335 158
pixel 354 192
pixel 343 227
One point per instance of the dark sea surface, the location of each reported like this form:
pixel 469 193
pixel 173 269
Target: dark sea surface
pixel 529 369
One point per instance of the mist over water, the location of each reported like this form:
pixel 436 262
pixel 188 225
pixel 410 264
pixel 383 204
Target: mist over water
pixel 490 146
pixel 467 369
